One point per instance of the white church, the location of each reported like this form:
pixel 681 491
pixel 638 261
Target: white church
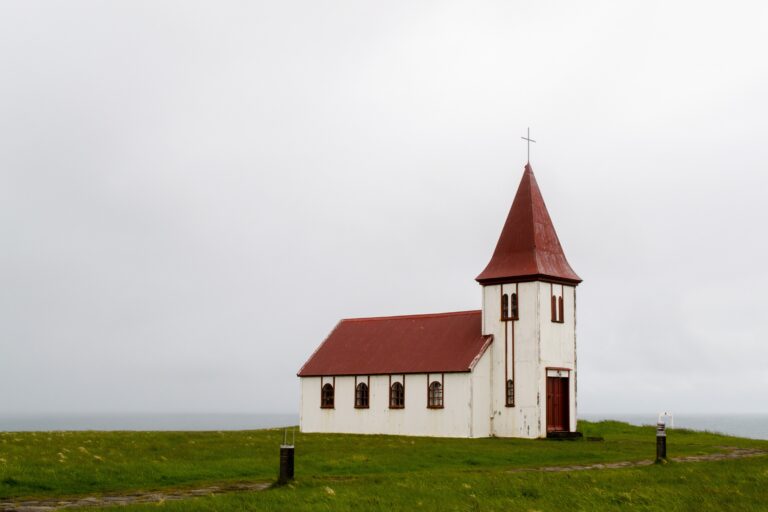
pixel 507 370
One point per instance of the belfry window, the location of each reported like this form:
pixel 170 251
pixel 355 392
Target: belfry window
pixel 326 396
pixel 396 396
pixel 505 307
pixel 361 396
pixel 558 308
pixel 515 312
pixel 554 308
pixel 510 393
pixel 435 395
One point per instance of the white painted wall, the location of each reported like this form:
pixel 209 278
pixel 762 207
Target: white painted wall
pixel 523 419
pixel 454 420
pixel 480 380
pixel 558 343
pixel 539 343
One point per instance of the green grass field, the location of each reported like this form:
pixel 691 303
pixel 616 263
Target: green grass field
pixel 347 472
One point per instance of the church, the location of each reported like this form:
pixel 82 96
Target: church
pixel 506 370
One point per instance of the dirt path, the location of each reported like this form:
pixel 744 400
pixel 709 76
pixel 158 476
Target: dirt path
pixel 734 453
pixel 181 494
pixel 126 499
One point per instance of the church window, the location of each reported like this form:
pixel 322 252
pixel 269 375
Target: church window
pixel 515 313
pixel 361 396
pixel 396 396
pixel 326 396
pixel 510 393
pixel 505 307
pixel 435 395
pixel 554 308
pixel 558 306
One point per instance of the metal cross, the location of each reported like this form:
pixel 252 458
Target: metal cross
pixel 529 139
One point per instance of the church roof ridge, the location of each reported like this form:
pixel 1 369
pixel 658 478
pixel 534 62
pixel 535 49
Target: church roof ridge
pixel 528 246
pixel 415 316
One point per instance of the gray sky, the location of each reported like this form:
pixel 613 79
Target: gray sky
pixel 192 194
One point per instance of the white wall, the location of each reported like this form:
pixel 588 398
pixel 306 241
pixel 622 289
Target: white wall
pixel 522 420
pixel 558 343
pixel 454 420
pixel 480 379
pixel 539 343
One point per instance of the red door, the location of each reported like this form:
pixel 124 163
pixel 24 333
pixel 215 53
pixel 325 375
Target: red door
pixel 558 419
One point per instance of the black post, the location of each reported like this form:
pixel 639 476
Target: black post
pixel 661 442
pixel 286 464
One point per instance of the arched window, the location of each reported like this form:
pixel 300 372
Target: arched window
pixel 396 396
pixel 504 306
pixel 326 397
pixel 515 312
pixel 554 308
pixel 560 310
pixel 435 395
pixel 361 396
pixel 510 393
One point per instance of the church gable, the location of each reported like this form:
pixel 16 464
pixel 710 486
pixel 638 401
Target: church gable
pixel 444 342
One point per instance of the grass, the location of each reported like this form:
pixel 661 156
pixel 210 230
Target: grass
pixel 346 472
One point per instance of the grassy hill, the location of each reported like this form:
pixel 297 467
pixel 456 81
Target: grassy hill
pixel 360 473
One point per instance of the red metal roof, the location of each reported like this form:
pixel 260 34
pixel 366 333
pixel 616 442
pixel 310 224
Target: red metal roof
pixel 442 342
pixel 528 247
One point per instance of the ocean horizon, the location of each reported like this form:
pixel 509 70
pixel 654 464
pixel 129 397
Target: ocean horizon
pixel 752 425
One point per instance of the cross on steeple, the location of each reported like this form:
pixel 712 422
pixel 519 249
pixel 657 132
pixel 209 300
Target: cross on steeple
pixel 529 139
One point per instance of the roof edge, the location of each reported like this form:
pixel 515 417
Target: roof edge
pixel 488 341
pixel 312 355
pixel 468 370
pixel 528 278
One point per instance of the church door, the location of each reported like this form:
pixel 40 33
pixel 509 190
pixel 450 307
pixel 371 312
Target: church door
pixel 558 419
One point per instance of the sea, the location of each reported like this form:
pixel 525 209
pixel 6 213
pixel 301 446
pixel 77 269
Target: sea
pixel 743 425
pixel 754 426
pixel 144 421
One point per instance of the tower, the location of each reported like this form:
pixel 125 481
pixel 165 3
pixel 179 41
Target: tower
pixel 529 306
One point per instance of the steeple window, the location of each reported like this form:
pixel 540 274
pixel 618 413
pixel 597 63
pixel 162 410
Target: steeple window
pixel 557 303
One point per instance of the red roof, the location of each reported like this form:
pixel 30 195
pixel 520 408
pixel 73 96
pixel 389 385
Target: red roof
pixel 528 247
pixel 443 342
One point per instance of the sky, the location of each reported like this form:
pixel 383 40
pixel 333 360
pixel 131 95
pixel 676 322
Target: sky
pixel 192 194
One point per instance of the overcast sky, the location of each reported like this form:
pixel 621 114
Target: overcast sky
pixel 192 194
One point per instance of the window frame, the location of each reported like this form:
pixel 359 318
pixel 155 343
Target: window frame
pixel 557 304
pixel 367 386
pixel 441 383
pixel 323 402
pixel 504 306
pixel 514 305
pixel 510 304
pixel 509 393
pixel 391 386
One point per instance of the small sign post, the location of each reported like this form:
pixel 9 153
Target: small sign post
pixel 286 459
pixel 661 436
pixel 661 442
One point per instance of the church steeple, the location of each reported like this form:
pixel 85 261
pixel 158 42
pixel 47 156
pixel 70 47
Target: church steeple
pixel 528 247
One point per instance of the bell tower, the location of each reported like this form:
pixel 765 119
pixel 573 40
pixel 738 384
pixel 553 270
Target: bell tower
pixel 529 306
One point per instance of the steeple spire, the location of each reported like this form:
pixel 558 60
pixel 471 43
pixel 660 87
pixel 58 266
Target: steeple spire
pixel 528 247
